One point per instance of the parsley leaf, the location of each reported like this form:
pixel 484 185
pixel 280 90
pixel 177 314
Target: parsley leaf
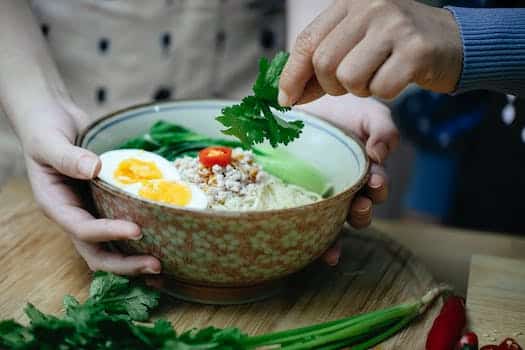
pixel 117 296
pixel 253 120
pixel 243 122
pixel 266 85
pixel 13 335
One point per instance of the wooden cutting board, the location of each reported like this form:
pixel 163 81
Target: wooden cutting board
pixel 496 298
pixel 39 264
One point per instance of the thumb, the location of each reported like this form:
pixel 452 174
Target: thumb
pixel 383 136
pixel 67 159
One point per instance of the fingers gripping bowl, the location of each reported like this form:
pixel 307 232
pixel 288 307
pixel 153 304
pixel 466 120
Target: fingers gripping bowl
pixel 226 256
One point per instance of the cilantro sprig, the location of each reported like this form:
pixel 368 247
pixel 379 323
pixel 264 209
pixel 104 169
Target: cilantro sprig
pixel 253 120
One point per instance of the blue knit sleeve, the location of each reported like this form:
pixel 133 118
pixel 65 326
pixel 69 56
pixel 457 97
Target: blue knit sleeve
pixel 493 49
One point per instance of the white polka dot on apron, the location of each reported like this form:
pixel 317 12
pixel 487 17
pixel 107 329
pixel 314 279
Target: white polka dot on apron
pixel 523 135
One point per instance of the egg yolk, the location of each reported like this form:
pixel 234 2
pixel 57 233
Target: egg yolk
pixel 134 170
pixel 166 192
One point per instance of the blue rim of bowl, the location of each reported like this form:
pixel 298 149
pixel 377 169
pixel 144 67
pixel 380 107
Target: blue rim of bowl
pixel 157 106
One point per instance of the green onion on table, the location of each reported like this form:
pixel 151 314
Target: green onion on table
pixel 113 318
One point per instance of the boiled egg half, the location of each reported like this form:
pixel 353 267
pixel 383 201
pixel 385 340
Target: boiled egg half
pixel 149 176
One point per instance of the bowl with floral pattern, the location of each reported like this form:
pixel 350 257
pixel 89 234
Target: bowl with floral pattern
pixel 227 257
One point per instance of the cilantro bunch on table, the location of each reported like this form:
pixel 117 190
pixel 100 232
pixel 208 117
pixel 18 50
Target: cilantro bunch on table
pixel 109 320
pixel 254 120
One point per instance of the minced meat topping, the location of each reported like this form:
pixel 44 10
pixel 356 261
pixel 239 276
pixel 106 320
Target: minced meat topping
pixel 241 178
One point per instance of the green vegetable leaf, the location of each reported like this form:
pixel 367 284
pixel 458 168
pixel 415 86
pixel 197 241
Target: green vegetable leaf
pixel 241 123
pixel 172 141
pixel 13 335
pixel 119 296
pixel 48 329
pixel 266 85
pixel 70 303
pixel 136 303
pixel 161 332
pixel 254 120
pixel 144 142
pixel 105 283
pixel 166 133
pixel 214 338
pixel 291 169
pixel 279 130
pixel 36 316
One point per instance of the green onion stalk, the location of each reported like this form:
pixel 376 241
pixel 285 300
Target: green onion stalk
pixel 361 331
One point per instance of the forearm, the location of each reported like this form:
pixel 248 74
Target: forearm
pixel 493 49
pixel 29 79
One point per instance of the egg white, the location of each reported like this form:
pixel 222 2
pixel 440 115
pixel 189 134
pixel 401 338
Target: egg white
pixel 199 200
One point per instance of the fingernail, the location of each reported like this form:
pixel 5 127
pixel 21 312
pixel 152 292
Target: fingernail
pixel 364 210
pixel 87 165
pixel 151 270
pixel 334 260
pixel 379 152
pixel 283 99
pixel 375 181
pixel 136 237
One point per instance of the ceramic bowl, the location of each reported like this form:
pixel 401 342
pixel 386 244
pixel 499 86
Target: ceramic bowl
pixel 224 256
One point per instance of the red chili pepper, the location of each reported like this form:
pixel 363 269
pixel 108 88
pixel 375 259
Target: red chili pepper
pixel 469 341
pixel 216 155
pixel 448 325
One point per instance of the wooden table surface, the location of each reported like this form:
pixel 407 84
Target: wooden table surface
pixel 496 298
pixel 447 251
pixel 38 264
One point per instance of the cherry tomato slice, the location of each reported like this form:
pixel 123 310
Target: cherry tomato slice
pixel 509 344
pixel 215 155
